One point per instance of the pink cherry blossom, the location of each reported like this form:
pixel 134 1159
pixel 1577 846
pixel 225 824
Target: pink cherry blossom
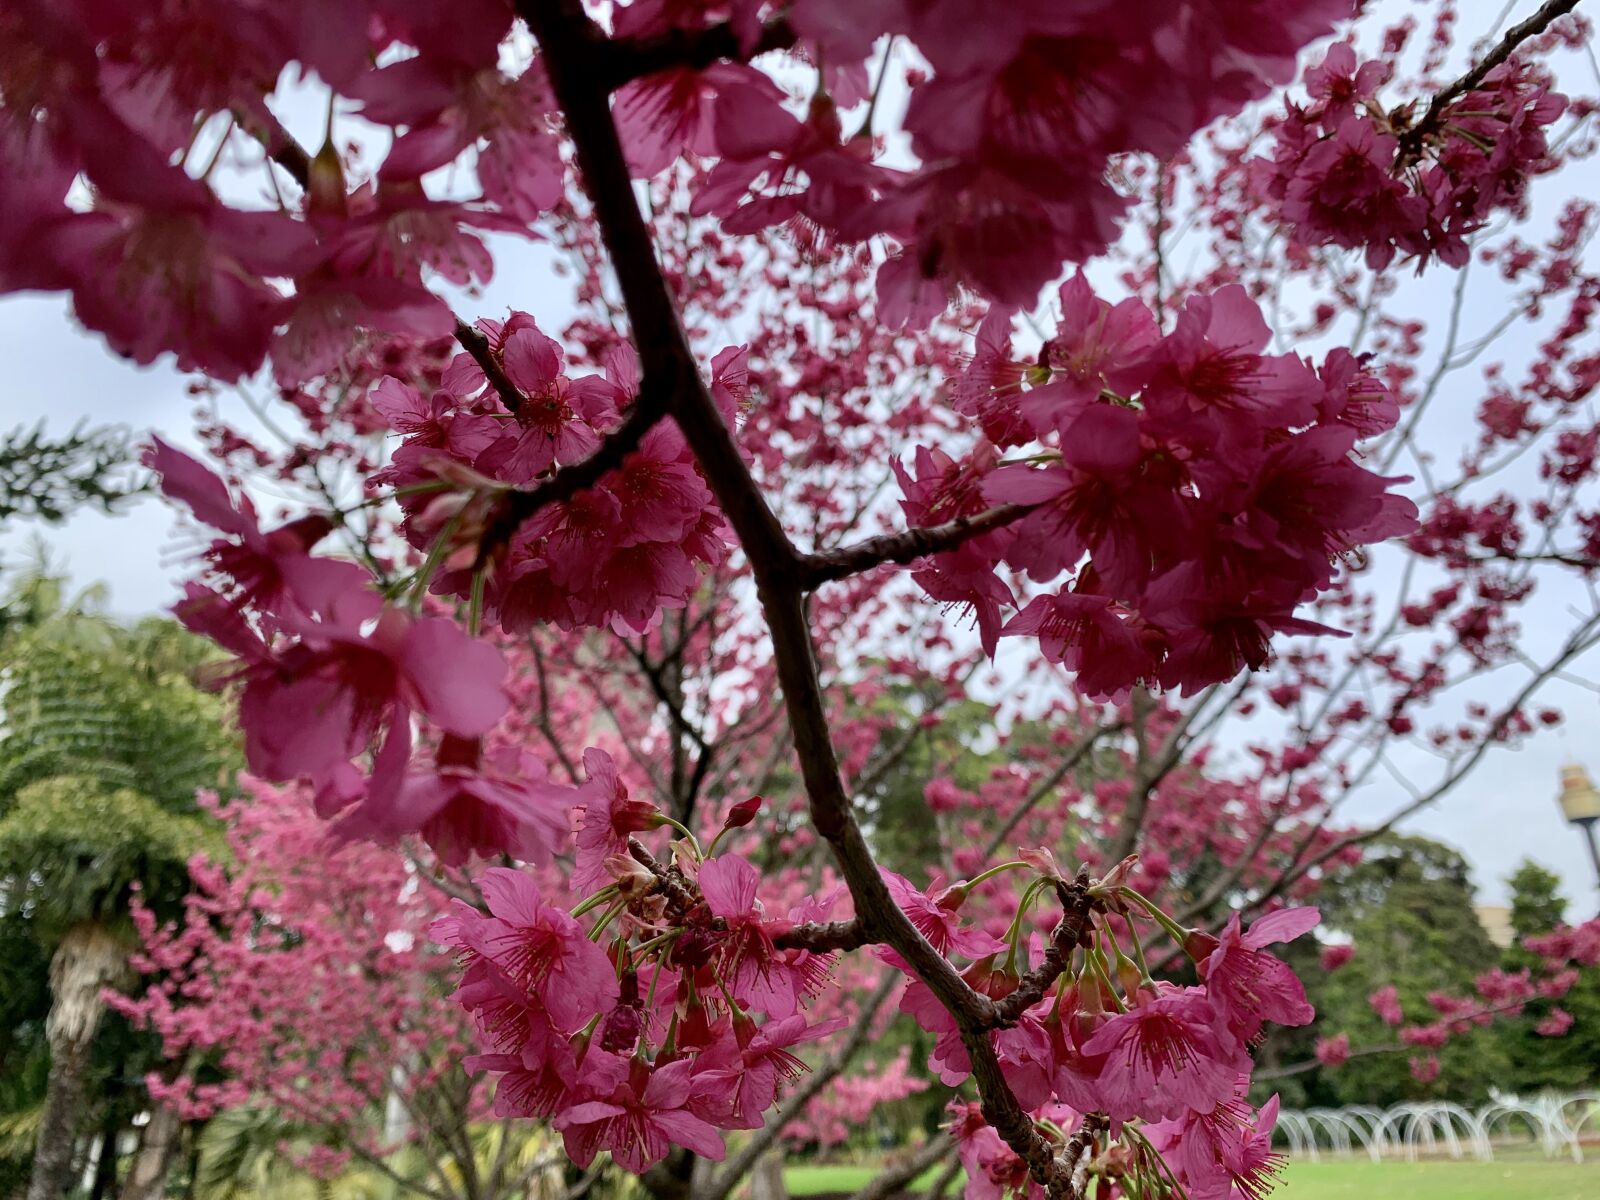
pixel 1247 985
pixel 641 1118
pixel 606 819
pixel 1164 1057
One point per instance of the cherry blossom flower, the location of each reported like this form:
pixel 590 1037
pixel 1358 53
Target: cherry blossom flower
pixel 1386 1003
pixel 469 803
pixel 606 819
pixel 747 961
pixel 759 1061
pixel 541 949
pixel 1223 1153
pixel 1248 986
pixel 1333 1051
pixel 641 1118
pixel 1166 1056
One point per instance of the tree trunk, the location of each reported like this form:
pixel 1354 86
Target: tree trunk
pixel 766 1180
pixel 88 960
pixel 158 1148
pixel 670 1178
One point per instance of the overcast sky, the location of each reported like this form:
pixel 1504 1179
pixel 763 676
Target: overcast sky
pixel 53 371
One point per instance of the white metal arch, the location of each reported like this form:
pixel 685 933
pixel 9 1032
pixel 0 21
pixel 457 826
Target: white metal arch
pixel 1555 1123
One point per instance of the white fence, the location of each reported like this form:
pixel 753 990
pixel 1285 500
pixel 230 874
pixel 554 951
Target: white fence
pixel 1556 1125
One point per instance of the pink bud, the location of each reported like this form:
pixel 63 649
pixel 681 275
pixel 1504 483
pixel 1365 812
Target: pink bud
pixel 1043 861
pixel 1118 875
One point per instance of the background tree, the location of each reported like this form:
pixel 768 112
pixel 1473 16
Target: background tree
pixel 1541 1057
pixel 103 741
pixel 46 479
pixel 1408 910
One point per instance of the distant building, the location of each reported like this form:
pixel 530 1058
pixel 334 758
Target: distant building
pixel 1496 922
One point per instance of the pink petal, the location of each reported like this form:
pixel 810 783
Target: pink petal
pixel 1282 926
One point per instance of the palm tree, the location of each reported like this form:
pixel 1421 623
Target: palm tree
pixel 104 741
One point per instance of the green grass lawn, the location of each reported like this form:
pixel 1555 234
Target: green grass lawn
pixel 817 1181
pixel 1441 1181
pixel 1519 1180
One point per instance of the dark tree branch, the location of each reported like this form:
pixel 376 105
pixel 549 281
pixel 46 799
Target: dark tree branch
pixel 1151 768
pixel 628 59
pixel 669 879
pixel 1411 140
pixel 517 507
pixel 817 569
pixel 573 49
pixel 938 1148
pixel 289 154
pixel 1072 931
pixel 475 344
pixel 1311 1064
pixel 823 937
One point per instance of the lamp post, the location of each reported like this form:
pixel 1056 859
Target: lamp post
pixel 1580 804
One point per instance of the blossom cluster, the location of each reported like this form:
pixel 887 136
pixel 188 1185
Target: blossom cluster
pixel 1496 994
pixel 1165 1065
pixel 155 104
pixel 616 553
pixel 1346 172
pixel 681 1007
pixel 1195 489
pixel 1014 131
pixel 329 671
pixel 676 1015
pixel 283 928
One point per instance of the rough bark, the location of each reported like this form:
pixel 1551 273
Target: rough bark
pixel 88 961
pixel 158 1150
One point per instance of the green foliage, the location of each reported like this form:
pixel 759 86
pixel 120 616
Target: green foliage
pixel 73 850
pixel 1536 903
pixel 24 1001
pixel 104 741
pixel 45 478
pixel 86 698
pixel 1570 1062
pixel 24 1058
pixel 1408 906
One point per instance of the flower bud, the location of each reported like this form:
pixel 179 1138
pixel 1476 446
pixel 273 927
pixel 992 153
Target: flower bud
pixel 1043 861
pixel 1129 975
pixel 633 878
pixel 683 856
pixel 1118 875
pixel 742 813
pixel 1198 944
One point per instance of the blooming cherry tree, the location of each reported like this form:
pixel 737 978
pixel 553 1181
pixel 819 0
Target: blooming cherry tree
pixel 1142 499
